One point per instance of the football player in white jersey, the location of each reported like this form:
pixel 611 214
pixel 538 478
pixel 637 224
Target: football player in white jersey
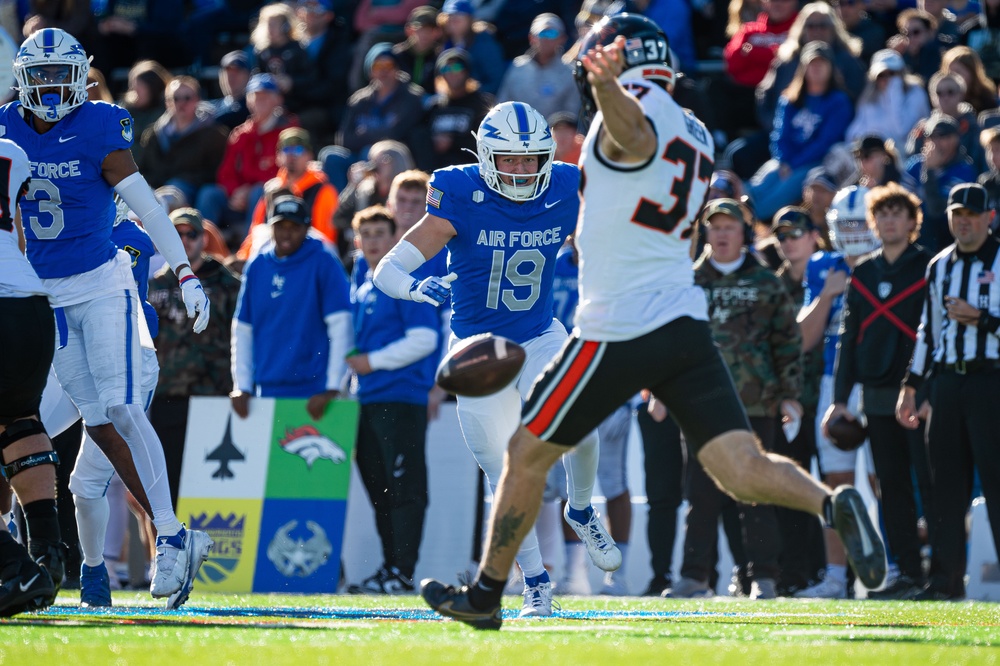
pixel 503 221
pixel 641 323
pixel 27 337
pixel 79 154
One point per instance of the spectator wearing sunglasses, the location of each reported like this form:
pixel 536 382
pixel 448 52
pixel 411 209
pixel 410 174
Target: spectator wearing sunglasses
pixel 301 176
pixel 184 147
pixel 917 42
pixel 541 78
pixel 456 110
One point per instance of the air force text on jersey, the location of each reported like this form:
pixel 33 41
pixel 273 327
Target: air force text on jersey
pixel 70 169
pixel 495 238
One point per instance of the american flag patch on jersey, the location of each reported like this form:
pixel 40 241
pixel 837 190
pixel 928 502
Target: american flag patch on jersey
pixel 985 277
pixel 434 196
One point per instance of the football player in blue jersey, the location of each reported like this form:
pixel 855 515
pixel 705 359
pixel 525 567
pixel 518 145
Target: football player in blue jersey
pixel 503 221
pixel 79 155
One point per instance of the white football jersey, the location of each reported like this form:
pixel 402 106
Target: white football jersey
pixel 635 270
pixel 17 278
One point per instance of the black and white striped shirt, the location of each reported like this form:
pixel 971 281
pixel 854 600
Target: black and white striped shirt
pixel 974 277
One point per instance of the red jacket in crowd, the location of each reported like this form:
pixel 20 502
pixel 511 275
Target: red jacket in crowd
pixel 249 157
pixel 749 53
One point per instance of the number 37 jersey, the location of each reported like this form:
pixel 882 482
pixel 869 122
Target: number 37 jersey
pixel 635 267
pixel 504 252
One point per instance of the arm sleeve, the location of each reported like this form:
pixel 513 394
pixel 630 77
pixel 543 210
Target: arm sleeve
pixel 242 353
pixel 417 343
pixel 135 191
pixel 340 330
pixel 392 275
pixel 844 366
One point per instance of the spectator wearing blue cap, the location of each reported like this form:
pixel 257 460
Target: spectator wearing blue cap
pixel 456 110
pixel 540 77
pixel 389 107
pixel 249 160
pixel 462 31
pixel 234 74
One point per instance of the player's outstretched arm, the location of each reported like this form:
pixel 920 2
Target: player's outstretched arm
pixel 628 136
pixel 423 241
pixel 120 172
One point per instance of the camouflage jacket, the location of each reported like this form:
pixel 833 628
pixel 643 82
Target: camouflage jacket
pixel 812 360
pixel 194 364
pixel 753 321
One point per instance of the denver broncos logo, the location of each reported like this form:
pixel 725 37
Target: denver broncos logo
pixel 310 444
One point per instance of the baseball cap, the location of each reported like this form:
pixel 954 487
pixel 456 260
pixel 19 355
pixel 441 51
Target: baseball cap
pixel 380 50
pixel 563 118
pixel 793 217
pixel 289 208
pixel 969 195
pixel 816 49
pixel 457 7
pixel 867 145
pixel 235 59
pixel 262 82
pixel 423 16
pixel 547 21
pixel 723 181
pixel 886 60
pixel 730 207
pixel 190 217
pixel 453 54
pixel 820 176
pixel 294 136
pixel 940 124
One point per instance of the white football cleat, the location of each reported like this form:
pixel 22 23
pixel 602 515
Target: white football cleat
pixel 537 600
pixel 197 546
pixel 600 546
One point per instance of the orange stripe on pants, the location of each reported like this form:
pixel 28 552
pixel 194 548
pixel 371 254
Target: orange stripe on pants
pixel 557 398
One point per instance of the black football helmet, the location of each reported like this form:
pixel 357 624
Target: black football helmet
pixel 647 53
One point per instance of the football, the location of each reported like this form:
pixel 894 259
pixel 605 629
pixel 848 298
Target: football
pixel 847 435
pixel 480 365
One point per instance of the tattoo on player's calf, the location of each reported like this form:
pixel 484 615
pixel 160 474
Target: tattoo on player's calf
pixel 505 529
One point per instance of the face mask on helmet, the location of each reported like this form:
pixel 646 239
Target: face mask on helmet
pixel 647 53
pixel 51 72
pixel 849 230
pixel 514 128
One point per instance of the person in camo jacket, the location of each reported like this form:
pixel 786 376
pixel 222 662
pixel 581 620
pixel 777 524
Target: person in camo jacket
pixel 190 365
pixel 752 318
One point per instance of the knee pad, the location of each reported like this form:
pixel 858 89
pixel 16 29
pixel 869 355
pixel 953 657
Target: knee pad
pixel 16 431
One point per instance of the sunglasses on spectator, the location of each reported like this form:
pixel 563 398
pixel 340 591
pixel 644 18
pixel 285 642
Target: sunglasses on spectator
pixel 383 66
pixel 452 67
pixel 182 98
pixel 793 234
pixel 190 234
pixel 550 33
pixel 294 150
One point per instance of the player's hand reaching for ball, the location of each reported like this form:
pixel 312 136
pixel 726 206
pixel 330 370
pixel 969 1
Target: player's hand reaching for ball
pixel 434 290
pixel 195 298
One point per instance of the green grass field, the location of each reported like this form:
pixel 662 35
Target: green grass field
pixel 303 630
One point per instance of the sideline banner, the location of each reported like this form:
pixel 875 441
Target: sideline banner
pixel 271 490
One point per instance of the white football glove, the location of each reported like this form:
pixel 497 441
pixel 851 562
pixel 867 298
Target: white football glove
pixel 434 290
pixel 195 299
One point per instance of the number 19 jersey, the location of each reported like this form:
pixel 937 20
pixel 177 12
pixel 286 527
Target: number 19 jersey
pixel 635 267
pixel 504 252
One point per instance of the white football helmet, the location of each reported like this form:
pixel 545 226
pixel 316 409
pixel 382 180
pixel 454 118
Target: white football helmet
pixel 514 128
pixel 848 223
pixel 53 61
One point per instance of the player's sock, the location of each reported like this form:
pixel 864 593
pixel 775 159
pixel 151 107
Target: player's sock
pixel 117 525
pixel 147 452
pixel 485 592
pixel 42 521
pixel 581 471
pixel 580 515
pixel 92 524
pixel 837 573
pixel 534 581
pixel 529 556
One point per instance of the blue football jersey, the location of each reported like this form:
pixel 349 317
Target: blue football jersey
pixel 504 252
pixel 132 238
pixel 565 290
pixel 820 264
pixel 69 211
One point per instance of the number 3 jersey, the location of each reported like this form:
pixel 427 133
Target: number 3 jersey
pixel 69 211
pixel 504 252
pixel 635 267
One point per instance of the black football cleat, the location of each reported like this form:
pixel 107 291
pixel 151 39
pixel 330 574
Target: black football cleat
pixel 865 550
pixel 30 588
pixel 454 603
pixel 52 557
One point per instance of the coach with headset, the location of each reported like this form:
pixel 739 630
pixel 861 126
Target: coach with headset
pixel 958 345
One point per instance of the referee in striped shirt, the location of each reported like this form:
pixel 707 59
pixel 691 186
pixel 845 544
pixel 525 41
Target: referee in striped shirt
pixel 958 354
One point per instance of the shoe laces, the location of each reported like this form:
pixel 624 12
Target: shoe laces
pixel 597 533
pixel 534 597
